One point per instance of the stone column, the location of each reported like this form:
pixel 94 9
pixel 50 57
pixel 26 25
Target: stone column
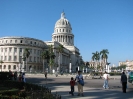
pixel 73 40
pixel 67 38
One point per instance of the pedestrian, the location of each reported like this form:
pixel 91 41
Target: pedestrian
pixel 124 81
pixel 23 77
pixel 19 78
pixel 10 75
pixel 80 83
pixel 15 75
pixel 45 73
pixel 106 78
pixel 72 84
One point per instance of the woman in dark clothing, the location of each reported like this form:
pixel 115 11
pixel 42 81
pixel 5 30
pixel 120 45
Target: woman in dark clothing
pixel 124 82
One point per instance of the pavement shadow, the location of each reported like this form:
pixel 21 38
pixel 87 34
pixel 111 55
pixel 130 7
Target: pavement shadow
pixel 99 94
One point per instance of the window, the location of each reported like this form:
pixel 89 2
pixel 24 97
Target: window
pixel 14 67
pixel 10 49
pixel 15 50
pixel 34 59
pixel 57 30
pixel 34 51
pixel 4 66
pixel 1 57
pixel 9 66
pixel 30 58
pixel 20 50
pixel 15 41
pixel 15 58
pixel 66 30
pixel 6 41
pixel 38 52
pixel 5 49
pixel 37 59
pixel 63 30
pixel 1 49
pixel 60 30
pixel 31 42
pixel 20 58
pixel 40 59
pixel 10 41
pixel 9 58
pixel 30 51
pixel 5 58
pixel 0 66
pixel 35 43
pixel 69 30
pixel 21 41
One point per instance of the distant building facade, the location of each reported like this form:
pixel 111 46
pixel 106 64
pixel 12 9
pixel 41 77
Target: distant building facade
pixel 128 63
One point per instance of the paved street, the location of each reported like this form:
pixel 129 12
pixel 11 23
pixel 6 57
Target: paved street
pixel 92 89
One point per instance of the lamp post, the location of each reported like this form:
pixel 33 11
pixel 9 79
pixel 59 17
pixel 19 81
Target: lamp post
pixel 70 66
pixel 107 66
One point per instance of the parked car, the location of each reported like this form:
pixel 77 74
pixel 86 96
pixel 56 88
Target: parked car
pixel 130 77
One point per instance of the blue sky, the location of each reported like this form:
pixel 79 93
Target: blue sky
pixel 96 24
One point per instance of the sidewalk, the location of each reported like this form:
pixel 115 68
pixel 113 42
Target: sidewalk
pixel 93 93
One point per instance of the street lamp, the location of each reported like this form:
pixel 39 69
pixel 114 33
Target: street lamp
pixel 70 67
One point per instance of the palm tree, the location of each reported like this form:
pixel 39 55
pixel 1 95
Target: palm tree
pixel 44 55
pixel 96 57
pixel 104 56
pixel 60 50
pixel 26 55
pixel 51 56
pixel 1 64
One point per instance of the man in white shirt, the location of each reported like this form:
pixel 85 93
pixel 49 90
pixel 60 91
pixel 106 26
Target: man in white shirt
pixel 106 78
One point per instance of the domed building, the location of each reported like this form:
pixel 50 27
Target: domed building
pixel 12 49
pixel 63 35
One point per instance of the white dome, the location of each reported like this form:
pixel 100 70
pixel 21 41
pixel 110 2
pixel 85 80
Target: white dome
pixel 63 22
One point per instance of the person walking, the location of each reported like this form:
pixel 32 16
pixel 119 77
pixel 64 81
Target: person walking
pixel 15 75
pixel 124 81
pixel 23 77
pixel 79 79
pixel 106 78
pixel 72 84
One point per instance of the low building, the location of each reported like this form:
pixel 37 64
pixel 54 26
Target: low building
pixel 128 63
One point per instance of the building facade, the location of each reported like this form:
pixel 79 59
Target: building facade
pixel 12 49
pixel 128 63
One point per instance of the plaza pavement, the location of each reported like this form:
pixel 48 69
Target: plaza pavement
pixel 68 76
pixel 89 93
pixel 93 93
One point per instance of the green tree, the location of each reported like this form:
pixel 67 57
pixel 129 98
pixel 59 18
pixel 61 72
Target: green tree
pixel 104 56
pixel 96 57
pixel 1 62
pixel 60 50
pixel 44 55
pixel 26 55
pixel 51 56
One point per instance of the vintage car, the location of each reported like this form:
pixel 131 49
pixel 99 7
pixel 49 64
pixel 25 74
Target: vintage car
pixel 130 77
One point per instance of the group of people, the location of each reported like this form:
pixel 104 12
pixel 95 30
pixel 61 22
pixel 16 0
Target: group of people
pixel 123 81
pixel 80 82
pixel 14 76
